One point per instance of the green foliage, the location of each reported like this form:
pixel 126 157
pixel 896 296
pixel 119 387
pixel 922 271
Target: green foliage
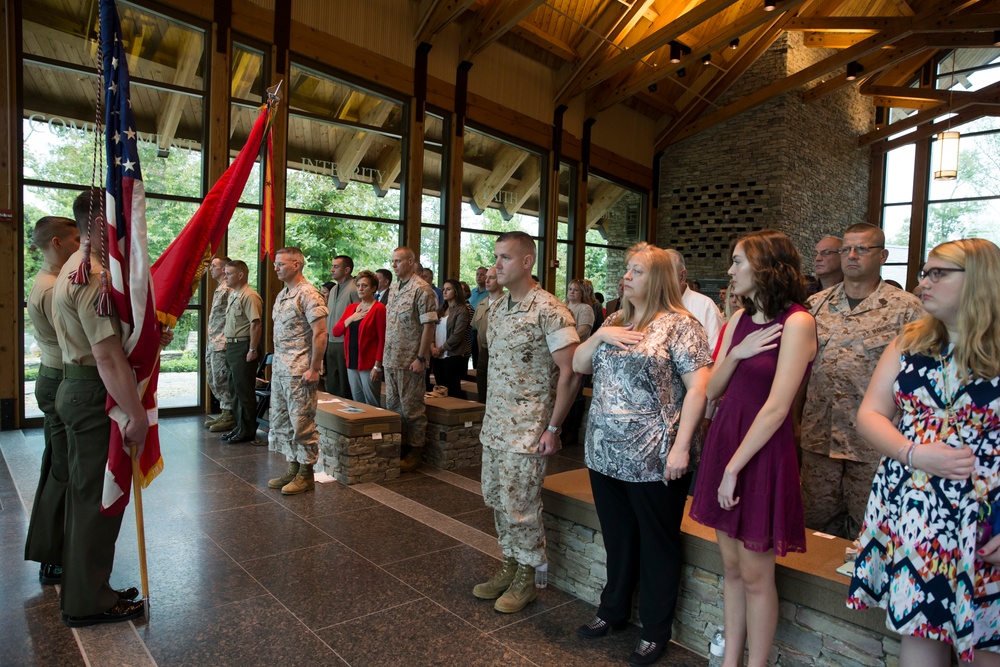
pixel 186 363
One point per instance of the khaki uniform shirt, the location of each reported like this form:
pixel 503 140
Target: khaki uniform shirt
pixel 217 318
pixel 411 305
pixel 481 317
pixel 523 376
pixel 295 309
pixel 245 306
pixel 850 344
pixel 74 309
pixel 340 297
pixel 40 312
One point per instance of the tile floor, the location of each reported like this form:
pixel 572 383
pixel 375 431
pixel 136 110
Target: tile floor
pixel 239 575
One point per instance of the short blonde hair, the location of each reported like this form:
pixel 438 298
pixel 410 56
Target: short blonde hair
pixel 978 348
pixel 664 291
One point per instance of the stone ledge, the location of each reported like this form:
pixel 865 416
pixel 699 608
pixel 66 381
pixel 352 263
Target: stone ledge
pixel 360 443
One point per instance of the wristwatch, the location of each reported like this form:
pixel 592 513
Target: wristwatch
pixel 252 350
pixel 422 360
pixel 553 429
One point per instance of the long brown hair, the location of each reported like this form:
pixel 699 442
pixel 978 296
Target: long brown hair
pixel 664 292
pixel 776 270
pixel 459 296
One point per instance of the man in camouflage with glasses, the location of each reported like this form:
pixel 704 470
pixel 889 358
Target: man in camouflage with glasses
pixel 855 320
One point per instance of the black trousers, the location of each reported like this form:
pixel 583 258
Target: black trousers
pixel 337 382
pixel 48 513
pixel 475 348
pixel 449 373
pixel 641 522
pixel 482 373
pixel 242 383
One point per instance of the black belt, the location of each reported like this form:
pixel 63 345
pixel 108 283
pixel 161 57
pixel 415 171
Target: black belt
pixel 74 372
pixel 49 372
pixel 237 340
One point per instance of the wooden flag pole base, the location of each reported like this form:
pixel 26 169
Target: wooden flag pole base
pixel 140 528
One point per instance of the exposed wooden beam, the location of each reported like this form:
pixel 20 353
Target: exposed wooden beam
pixel 900 93
pixel 538 37
pixel 990 95
pixel 188 56
pixel 902 72
pixel 873 64
pixel 528 185
pixel 642 75
pixel 930 129
pixel 848 23
pixel 388 166
pixel 438 14
pixel 904 102
pixel 904 7
pixel 493 22
pixel 656 39
pixel 606 194
pixel 833 40
pixel 350 151
pixel 505 163
pixel 245 72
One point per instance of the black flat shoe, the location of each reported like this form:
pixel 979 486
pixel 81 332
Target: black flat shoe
pixel 646 653
pixel 124 610
pixel 50 574
pixel 598 628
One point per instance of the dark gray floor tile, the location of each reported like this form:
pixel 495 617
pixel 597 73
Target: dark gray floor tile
pixel 217 450
pixel 437 495
pixel 480 520
pixel 416 634
pixel 328 498
pixel 163 520
pixel 558 464
pixel 447 577
pixel 382 535
pixel 256 467
pixel 472 472
pixel 194 574
pixel 260 530
pixel 211 493
pixel 259 631
pixel 329 584
pixel 37 636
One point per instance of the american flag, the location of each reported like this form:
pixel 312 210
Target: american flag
pixel 128 266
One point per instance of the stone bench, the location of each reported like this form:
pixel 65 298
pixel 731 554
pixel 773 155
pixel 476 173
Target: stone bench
pixel 453 427
pixel 360 443
pixel 814 626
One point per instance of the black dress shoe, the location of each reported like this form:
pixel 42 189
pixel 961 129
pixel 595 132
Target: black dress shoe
pixel 50 574
pixel 232 434
pixel 646 653
pixel 124 610
pixel 237 439
pixel 598 628
pixel 130 593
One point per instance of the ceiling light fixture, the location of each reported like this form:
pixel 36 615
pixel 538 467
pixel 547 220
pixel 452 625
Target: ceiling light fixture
pixel 682 73
pixel 675 52
pixel 652 88
pixel 948 141
pixel 854 68
pixel 706 59
pixel 769 5
pixel 734 44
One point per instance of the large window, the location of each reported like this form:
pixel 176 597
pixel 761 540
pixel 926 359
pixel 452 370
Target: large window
pixel 167 65
pixel 501 192
pixel 345 148
pixel 615 222
pixel 432 232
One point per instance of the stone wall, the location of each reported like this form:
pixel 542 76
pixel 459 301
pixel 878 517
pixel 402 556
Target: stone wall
pixel 354 460
pixel 805 636
pixel 783 165
pixel 453 446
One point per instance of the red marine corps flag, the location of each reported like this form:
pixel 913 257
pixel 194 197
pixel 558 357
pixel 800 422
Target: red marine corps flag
pixel 128 277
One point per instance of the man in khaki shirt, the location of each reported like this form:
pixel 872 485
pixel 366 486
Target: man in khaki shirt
pixel 57 239
pixel 480 319
pixel 242 349
pixel 215 351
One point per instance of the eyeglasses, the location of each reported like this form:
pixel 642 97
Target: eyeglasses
pixel 937 273
pixel 826 253
pixel 862 250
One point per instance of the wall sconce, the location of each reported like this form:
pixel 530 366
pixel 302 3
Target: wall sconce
pixel 854 68
pixel 734 44
pixel 947 156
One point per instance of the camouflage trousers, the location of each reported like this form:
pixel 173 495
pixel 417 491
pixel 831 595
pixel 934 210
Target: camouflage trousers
pixel 835 493
pixel 512 486
pixel 404 393
pixel 293 419
pixel 218 376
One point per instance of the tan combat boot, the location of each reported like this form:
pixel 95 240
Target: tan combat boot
pixel 211 420
pixel 412 461
pixel 500 582
pixel 303 481
pixel 521 591
pixel 225 422
pixel 278 482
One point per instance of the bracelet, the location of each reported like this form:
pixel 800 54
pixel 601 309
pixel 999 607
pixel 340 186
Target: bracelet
pixel 909 457
pixel 899 454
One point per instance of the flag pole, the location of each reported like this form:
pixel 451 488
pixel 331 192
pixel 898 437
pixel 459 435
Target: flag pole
pixel 140 527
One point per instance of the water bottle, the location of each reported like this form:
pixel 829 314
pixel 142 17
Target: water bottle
pixel 542 575
pixel 716 649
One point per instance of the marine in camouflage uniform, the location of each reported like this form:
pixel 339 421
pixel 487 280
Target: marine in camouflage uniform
pixel 837 464
pixel 412 304
pixel 299 317
pixel 215 355
pixel 520 400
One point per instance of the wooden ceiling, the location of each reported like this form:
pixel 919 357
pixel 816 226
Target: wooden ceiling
pixel 619 51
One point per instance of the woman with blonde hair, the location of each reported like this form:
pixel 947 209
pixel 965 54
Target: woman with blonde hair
pixel 581 309
pixel 748 486
pixel 930 545
pixel 650 363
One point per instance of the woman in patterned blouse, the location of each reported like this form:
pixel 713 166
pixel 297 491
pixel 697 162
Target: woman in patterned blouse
pixel 650 364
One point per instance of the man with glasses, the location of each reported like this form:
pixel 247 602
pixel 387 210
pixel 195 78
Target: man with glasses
pixel 855 320
pixel 826 265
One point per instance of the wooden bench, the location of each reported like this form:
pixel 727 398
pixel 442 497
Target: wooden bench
pixel 360 443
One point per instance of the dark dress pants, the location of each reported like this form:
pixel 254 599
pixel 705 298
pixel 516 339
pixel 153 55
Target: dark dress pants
pixel 449 372
pixel 48 513
pixel 337 382
pixel 482 373
pixel 89 552
pixel 242 384
pixel 641 522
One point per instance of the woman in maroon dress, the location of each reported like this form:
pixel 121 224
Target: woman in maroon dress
pixel 748 482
